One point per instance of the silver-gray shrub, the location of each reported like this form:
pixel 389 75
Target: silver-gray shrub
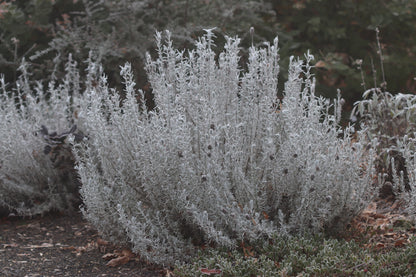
pixel 404 186
pixel 391 119
pixel 220 159
pixel 387 117
pixel 31 180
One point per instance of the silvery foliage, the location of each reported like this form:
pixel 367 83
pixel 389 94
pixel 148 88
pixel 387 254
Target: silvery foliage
pixel 406 146
pixel 391 119
pixel 386 116
pixel 30 183
pixel 220 159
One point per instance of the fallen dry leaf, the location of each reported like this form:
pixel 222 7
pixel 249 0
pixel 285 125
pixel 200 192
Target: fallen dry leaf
pixel 401 242
pixel 109 256
pixel 118 261
pixel 102 242
pixel 102 245
pixel 72 248
pixel 207 271
pixel 119 257
pixel 378 216
pixel 380 245
pixel 127 252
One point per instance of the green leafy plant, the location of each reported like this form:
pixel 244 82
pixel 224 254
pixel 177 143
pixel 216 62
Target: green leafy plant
pixel 305 256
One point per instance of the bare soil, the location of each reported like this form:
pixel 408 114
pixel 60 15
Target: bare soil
pixel 63 245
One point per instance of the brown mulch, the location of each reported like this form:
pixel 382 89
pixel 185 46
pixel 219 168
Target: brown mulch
pixel 383 225
pixel 63 245
pixel 66 245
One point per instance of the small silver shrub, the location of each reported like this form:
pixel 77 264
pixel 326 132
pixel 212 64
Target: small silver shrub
pixel 391 119
pixel 32 180
pixel 404 181
pixel 220 159
pixel 388 118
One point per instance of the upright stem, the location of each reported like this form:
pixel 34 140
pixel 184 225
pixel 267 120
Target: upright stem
pixel 383 85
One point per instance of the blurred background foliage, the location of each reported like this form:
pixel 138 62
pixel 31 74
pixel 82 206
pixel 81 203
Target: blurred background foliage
pixel 341 33
pixel 338 33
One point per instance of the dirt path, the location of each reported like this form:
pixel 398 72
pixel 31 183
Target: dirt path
pixel 57 245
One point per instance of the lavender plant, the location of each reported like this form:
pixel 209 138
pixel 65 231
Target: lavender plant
pixel 36 166
pixel 404 182
pixel 220 159
pixel 390 119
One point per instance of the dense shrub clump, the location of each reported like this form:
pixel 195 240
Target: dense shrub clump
pixel 391 119
pixel 220 159
pixel 36 164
